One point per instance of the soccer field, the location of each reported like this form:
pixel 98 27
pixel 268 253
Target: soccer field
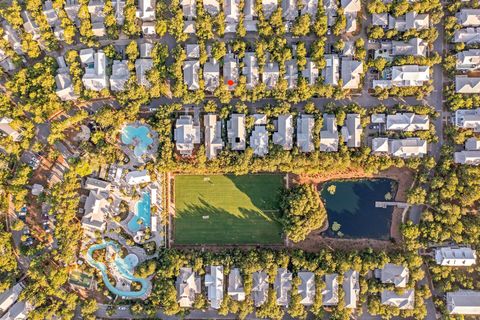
pixel 227 209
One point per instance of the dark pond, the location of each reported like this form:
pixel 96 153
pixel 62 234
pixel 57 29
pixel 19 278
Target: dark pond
pixel 351 208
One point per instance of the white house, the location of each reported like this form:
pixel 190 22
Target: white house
pixel 260 288
pixel 351 287
pixel 284 134
pixel 250 70
pixel 95 77
pixel 351 9
pixel 137 177
pixel 329 134
pixel 468 17
pixel 331 72
pixel 186 135
pixel 289 10
pixel 467 119
pixel 352 71
pixel 213 135
pixel 211 6
pixel 305 123
pixel 214 284
pixel 411 20
pixel 236 132
pixel 191 69
pixel 352 130
pixel 271 73
pixel 291 73
pixel 230 7
pixel 10 296
pixel 467 35
pixel 455 257
pixel 306 289
pixel 230 71
pixel 310 72
pixel 120 75
pixel 268 7
pixel 466 302
pixel 211 75
pixel 402 301
pixel 396 274
pixel 407 122
pixel 188 286
pixel 96 211
pixel 63 82
pixel 330 293
pixel 468 60
pixel 259 140
pixel 235 285
pixel 466 85
pixel 283 285
pixel 403 148
pixel 405 76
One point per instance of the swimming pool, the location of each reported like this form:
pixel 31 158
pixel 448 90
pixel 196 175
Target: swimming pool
pixel 142 212
pixel 137 136
pixel 124 267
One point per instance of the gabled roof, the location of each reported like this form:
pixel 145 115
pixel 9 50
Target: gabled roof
pixel 186 134
pixel 329 134
pixel 306 289
pixel 284 134
pixel 260 288
pixel 467 157
pixel 403 301
pixel 332 68
pixel 351 73
pixel 447 256
pixel 120 75
pixel 468 119
pixel 142 66
pixel 235 285
pixel 211 6
pixel 472 144
pixel 190 74
pixel 468 17
pixel 396 274
pixel 310 72
pixel 10 296
pixel 305 123
pixel 214 284
pixel 189 8
pixel 236 131
pixel 468 59
pixel 330 293
pixel 289 10
pixel 309 7
pixel 414 47
pixel 409 147
pixel 268 7
pixel 351 5
pixel 407 122
pixel 250 70
pixel 291 73
pixel 352 131
pixel 465 84
pixel 96 210
pixel 283 285
pixel 467 35
pixel 259 140
pixel 465 302
pixel 211 75
pixel 188 286
pixel 270 74
pixel 137 177
pixel 230 71
pixel 380 19
pixel 351 287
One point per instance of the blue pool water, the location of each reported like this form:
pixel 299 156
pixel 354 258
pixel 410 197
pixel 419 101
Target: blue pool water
pixel 138 136
pixel 142 212
pixel 123 266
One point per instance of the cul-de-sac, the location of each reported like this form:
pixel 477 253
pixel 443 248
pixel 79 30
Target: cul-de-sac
pixel 240 159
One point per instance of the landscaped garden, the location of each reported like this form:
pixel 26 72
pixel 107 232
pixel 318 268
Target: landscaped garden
pixel 227 209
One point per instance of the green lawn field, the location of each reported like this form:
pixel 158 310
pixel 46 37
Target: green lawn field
pixel 227 209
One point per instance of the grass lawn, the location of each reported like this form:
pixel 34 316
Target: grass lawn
pixel 227 209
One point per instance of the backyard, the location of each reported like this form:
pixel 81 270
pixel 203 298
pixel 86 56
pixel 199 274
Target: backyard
pixel 226 209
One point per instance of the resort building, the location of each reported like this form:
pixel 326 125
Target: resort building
pixel 352 131
pixel 392 273
pixel 214 284
pixel 259 137
pixel 402 301
pixel 310 72
pixel 407 122
pixel 236 132
pixel 465 84
pixel 95 77
pixel 120 75
pixel 455 257
pixel 329 134
pixel 235 285
pixel 330 293
pixel 250 70
pixel 213 135
pixel 352 71
pixel 7 129
pixel 97 185
pixel 467 119
pixel 188 286
pixel 211 75
pixel 351 287
pixel 283 285
pixel 284 134
pixel 186 134
pixel 464 302
pixel 96 210
pixel 305 124
pixel 137 177
pixel 306 289
pixel 260 288
pixel 404 76
pixel 468 60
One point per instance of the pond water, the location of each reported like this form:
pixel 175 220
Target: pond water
pixel 351 208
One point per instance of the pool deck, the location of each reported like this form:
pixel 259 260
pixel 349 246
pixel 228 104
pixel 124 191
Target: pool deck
pixel 150 152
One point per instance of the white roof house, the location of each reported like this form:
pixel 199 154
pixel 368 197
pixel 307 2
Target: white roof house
pixel 250 16
pixel 250 70
pixel 19 311
pixel 188 286
pixel 465 302
pixel 329 134
pixel 406 148
pixel 96 210
pixel 351 9
pixel 306 289
pixel 230 7
pixel 97 17
pixel 378 118
pixel 186 135
pixel 380 19
pixel 330 293
pixel 230 71
pixel 469 157
pixel 213 135
pixel 97 184
pixel 380 145
pixel 211 75
pixel 411 20
pixel 120 75
pixel 268 7
pixel 142 66
pixel 236 131
pixel 192 51
pixel 468 17
pixel 63 82
pixel 72 7
pixel 467 35
pixel 95 77
pixel 10 35
pixel 472 144
pixel 289 10
pixel 190 74
pixel 403 301
pixel 331 72
pixel 30 25
pixel 310 72
pixel 455 257
pixel 468 119
pixel 146 10
pixel 407 122
pixel 270 75
pixel 118 7
pixel 235 285
pixel 413 47
pixel 259 140
pixel 291 73
pixel 214 284
pixel 305 124
pixel 351 287
pixel 468 60
pixel 284 134
pixel 189 8
pixel 331 7
pixel 283 285
pixel 396 274
pixel 137 177
pixel 405 76
pixel 352 71
pixel 464 84
pixel 352 130
pixel 211 6
pixel 9 297
pixel 260 288
pixel 309 7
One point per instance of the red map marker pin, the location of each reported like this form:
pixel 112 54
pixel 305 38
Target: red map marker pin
pixel 230 82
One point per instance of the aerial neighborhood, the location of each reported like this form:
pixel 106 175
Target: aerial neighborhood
pixel 239 159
